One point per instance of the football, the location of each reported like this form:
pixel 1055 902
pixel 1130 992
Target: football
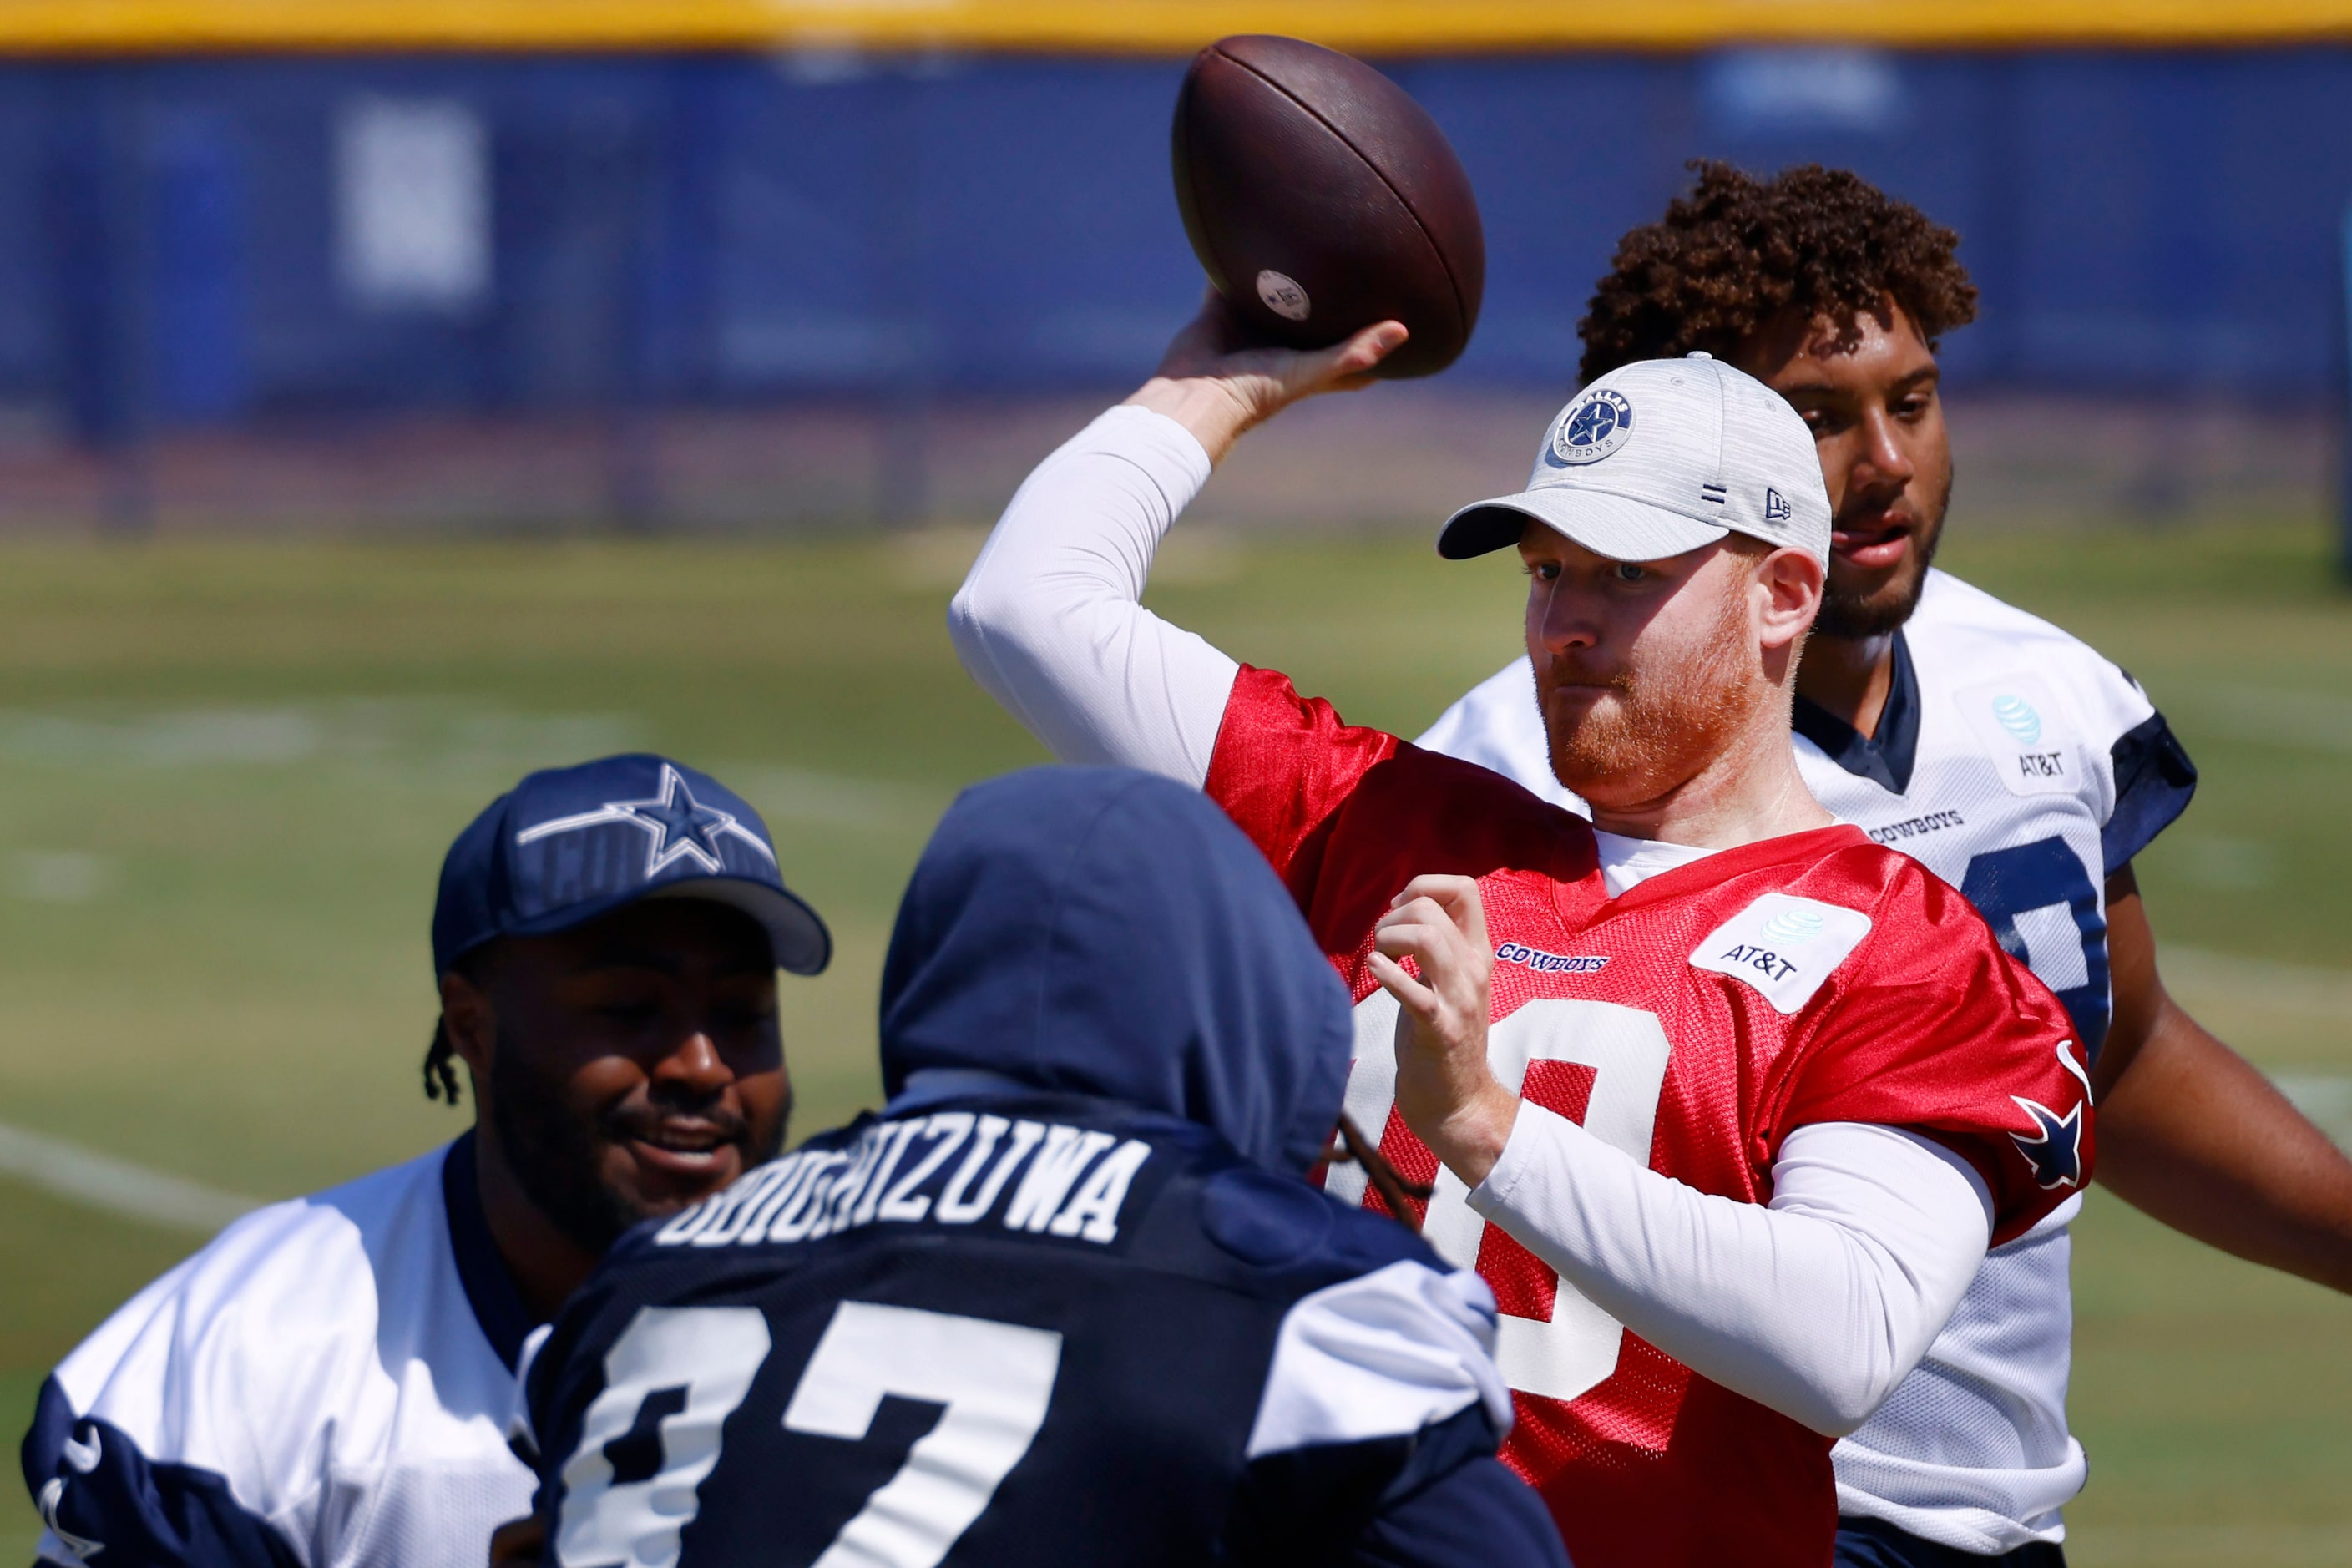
pixel 1321 199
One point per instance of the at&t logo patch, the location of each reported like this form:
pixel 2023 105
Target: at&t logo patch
pixel 2016 715
pixel 1595 426
pixel 2023 732
pixel 1796 924
pixel 1783 947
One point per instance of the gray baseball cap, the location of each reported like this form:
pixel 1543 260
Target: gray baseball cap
pixel 1662 456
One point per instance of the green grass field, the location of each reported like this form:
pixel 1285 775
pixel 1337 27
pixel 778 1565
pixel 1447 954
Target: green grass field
pixel 227 774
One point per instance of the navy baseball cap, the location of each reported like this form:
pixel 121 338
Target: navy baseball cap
pixel 567 844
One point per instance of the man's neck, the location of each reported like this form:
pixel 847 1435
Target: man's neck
pixel 1849 678
pixel 545 1265
pixel 1750 790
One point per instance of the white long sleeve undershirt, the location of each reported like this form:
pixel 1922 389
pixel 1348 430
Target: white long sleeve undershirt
pixel 1047 620
pixel 1816 1305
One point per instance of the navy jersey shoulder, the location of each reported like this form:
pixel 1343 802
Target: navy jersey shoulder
pixel 1047 1323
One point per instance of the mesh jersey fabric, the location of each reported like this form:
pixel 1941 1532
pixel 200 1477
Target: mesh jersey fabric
pixel 2030 769
pixel 1641 1460
pixel 318 1386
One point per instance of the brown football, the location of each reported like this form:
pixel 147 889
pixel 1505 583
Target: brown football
pixel 1321 199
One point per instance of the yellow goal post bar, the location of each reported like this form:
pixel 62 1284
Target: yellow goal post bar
pixel 1165 27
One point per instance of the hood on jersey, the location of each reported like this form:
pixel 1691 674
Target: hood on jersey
pixel 1105 932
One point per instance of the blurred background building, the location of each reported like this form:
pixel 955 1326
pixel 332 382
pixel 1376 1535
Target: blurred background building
pixel 756 263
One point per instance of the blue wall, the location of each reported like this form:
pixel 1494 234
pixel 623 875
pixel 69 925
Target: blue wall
pixel 716 228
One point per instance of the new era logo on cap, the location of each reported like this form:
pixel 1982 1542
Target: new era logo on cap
pixel 568 844
pixel 1659 458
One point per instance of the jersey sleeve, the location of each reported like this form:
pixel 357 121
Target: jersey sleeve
pixel 1477 1515
pixel 141 1444
pixel 1497 725
pixel 1938 1030
pixel 1381 1394
pixel 1284 767
pixel 1050 622
pixel 2148 776
pixel 2155 781
pixel 99 1489
pixel 1348 815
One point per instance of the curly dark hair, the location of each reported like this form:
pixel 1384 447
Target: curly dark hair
pixel 1738 251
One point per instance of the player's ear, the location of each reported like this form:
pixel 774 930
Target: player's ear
pixel 468 1021
pixel 1791 581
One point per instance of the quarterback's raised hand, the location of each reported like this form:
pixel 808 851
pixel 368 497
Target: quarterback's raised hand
pixel 1445 1092
pixel 1217 382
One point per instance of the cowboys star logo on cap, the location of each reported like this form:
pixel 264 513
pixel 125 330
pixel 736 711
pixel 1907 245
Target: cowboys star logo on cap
pixel 1597 426
pixel 679 827
pixel 567 845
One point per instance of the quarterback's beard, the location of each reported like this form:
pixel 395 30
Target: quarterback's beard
pixel 1666 722
pixel 1851 617
pixel 557 1153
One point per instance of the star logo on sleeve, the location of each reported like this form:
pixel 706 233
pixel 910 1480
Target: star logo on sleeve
pixel 2055 1150
pixel 679 827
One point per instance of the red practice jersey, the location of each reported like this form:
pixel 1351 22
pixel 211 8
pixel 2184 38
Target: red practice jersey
pixel 1692 1022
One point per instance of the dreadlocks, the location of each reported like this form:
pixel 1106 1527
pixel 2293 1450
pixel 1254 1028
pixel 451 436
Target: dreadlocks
pixel 440 1076
pixel 441 1056
pixel 1738 251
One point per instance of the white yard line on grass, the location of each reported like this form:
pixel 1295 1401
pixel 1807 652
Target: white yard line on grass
pixel 118 1186
pixel 2302 989
pixel 2277 1546
pixel 2282 716
pixel 806 796
pixel 2295 989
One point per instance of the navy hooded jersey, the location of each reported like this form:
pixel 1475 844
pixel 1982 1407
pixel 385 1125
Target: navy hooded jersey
pixel 1067 1299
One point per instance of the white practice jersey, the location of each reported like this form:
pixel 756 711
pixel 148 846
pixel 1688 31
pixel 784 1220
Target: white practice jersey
pixel 328 1383
pixel 2024 769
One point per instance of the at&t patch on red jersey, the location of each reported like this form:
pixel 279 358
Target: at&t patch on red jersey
pixel 1692 1023
pixel 1783 947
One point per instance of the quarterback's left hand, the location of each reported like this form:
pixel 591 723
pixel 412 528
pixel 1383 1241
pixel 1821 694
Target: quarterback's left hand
pixel 1444 1090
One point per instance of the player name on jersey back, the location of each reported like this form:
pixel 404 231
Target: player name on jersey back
pixel 950 1168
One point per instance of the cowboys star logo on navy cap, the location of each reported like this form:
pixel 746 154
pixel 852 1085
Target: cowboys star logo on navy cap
pixel 567 844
